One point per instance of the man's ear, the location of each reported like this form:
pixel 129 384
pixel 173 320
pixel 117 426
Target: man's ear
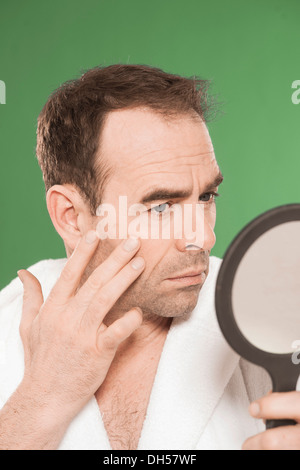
pixel 69 213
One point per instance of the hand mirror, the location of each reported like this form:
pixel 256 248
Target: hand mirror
pixel 258 296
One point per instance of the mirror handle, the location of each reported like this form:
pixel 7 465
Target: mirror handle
pixel 275 423
pixel 286 384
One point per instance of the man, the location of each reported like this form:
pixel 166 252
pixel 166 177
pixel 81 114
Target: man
pixel 121 346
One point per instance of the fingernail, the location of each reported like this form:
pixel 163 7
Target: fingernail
pixel 20 275
pixel 254 409
pixel 131 244
pixel 91 237
pixel 138 263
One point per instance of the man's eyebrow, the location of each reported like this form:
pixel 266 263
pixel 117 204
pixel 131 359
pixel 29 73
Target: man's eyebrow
pixel 164 194
pixel 215 183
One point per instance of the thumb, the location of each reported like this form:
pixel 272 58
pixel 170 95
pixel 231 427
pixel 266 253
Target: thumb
pixel 32 298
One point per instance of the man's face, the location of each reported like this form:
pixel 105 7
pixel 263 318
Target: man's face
pixel 149 154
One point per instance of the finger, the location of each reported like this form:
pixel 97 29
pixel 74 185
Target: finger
pixel 74 268
pixel 119 330
pixel 106 297
pixel 32 299
pixel 281 438
pixel 277 406
pixel 120 256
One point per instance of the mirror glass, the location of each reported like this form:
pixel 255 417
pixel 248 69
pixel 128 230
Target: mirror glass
pixel 266 290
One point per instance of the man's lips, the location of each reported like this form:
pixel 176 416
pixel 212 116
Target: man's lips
pixel 188 274
pixel 189 278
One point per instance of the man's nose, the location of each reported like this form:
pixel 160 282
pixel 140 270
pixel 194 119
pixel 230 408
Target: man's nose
pixel 202 237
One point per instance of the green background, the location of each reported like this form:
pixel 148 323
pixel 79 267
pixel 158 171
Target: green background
pixel 250 49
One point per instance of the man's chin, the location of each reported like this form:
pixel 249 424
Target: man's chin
pixel 169 301
pixel 183 302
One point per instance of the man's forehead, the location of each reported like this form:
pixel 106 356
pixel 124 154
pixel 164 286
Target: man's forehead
pixel 131 135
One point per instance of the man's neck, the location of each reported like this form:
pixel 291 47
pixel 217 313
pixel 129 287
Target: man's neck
pixel 141 350
pixel 150 335
pixel 124 395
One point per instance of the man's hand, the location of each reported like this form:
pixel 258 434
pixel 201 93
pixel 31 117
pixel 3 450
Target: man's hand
pixel 68 349
pixel 276 406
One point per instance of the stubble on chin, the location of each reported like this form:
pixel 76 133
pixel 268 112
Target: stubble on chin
pixel 157 302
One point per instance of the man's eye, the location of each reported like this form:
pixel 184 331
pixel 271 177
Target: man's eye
pixel 160 208
pixel 208 197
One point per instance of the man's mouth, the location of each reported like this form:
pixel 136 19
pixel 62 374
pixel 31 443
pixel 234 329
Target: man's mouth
pixel 189 277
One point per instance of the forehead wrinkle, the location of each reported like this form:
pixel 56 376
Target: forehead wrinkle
pixel 191 184
pixel 177 171
pixel 175 160
pixel 178 156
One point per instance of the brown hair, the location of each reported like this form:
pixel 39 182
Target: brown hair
pixel 70 124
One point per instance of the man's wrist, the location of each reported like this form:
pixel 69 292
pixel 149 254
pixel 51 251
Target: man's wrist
pixel 33 420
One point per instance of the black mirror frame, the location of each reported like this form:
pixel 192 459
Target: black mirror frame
pixel 284 373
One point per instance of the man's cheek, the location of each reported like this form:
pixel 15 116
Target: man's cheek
pixel 153 252
pixel 211 216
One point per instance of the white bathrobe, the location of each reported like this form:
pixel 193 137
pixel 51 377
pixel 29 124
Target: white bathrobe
pixel 201 393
